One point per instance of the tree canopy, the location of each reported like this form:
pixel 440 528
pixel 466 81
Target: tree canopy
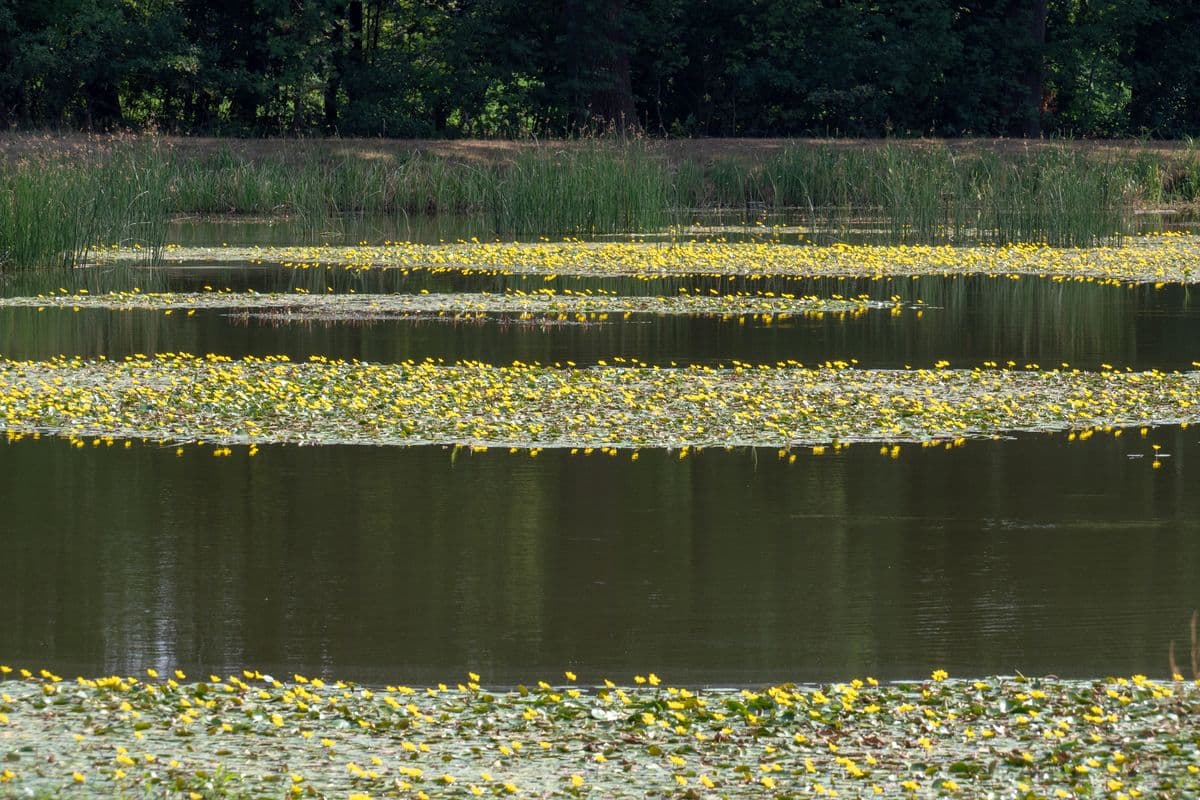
pixel 408 68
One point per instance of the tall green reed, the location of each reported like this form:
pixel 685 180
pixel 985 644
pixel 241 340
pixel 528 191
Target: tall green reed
pixel 1054 195
pixel 55 209
pixel 589 190
pixel 54 212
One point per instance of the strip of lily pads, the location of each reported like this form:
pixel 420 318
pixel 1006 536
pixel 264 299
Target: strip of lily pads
pixel 253 734
pixel 538 303
pixel 1150 259
pixel 626 404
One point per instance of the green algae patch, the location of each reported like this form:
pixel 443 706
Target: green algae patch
pixel 254 735
pixel 1150 259
pixel 624 404
pixel 542 304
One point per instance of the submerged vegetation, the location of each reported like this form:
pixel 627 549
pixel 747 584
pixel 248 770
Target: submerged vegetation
pixel 254 735
pixel 541 304
pixel 1154 259
pixel 181 398
pixel 58 200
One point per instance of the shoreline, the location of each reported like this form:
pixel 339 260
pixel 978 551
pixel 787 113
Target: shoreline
pixel 66 194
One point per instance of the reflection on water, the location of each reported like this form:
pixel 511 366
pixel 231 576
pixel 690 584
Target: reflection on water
pixel 206 231
pixel 822 225
pixel 387 564
pixel 966 321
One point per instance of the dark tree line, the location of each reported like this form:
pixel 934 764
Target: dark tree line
pixel 553 67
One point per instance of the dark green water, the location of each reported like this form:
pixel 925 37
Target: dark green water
pixel 414 565
pixel 966 321
pixel 386 564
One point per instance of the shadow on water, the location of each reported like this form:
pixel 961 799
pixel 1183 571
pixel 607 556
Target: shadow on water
pixel 391 565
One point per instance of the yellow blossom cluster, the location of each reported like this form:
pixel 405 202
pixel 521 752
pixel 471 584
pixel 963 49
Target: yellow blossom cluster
pixel 1150 259
pixel 252 734
pixel 625 404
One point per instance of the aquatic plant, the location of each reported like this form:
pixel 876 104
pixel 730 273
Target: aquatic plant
pixel 1149 259
pixel 594 190
pixel 58 203
pixel 1061 196
pixel 1195 660
pixel 252 734
pixel 52 213
pixel 543 303
pixel 179 397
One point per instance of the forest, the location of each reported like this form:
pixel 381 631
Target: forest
pixel 549 68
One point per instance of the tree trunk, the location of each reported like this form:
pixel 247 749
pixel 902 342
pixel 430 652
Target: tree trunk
pixel 345 60
pixel 612 99
pixel 1034 72
pixel 336 42
pixel 103 106
pixel 353 64
pixel 597 65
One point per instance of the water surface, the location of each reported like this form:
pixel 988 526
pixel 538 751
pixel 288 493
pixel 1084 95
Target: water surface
pixel 962 320
pixel 384 565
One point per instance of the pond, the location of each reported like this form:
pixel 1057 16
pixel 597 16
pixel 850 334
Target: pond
pixel 1031 553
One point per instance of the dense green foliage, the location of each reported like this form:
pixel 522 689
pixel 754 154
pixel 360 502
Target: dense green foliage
pixel 549 67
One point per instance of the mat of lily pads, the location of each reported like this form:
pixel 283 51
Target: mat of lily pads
pixel 254 735
pixel 628 404
pixel 539 303
pixel 1149 259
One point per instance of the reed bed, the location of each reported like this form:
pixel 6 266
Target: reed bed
pixel 52 212
pixel 55 205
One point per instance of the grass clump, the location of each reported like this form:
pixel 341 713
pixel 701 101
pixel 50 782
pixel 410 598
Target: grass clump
pixel 596 190
pixel 53 211
pixel 57 201
pixel 1059 196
